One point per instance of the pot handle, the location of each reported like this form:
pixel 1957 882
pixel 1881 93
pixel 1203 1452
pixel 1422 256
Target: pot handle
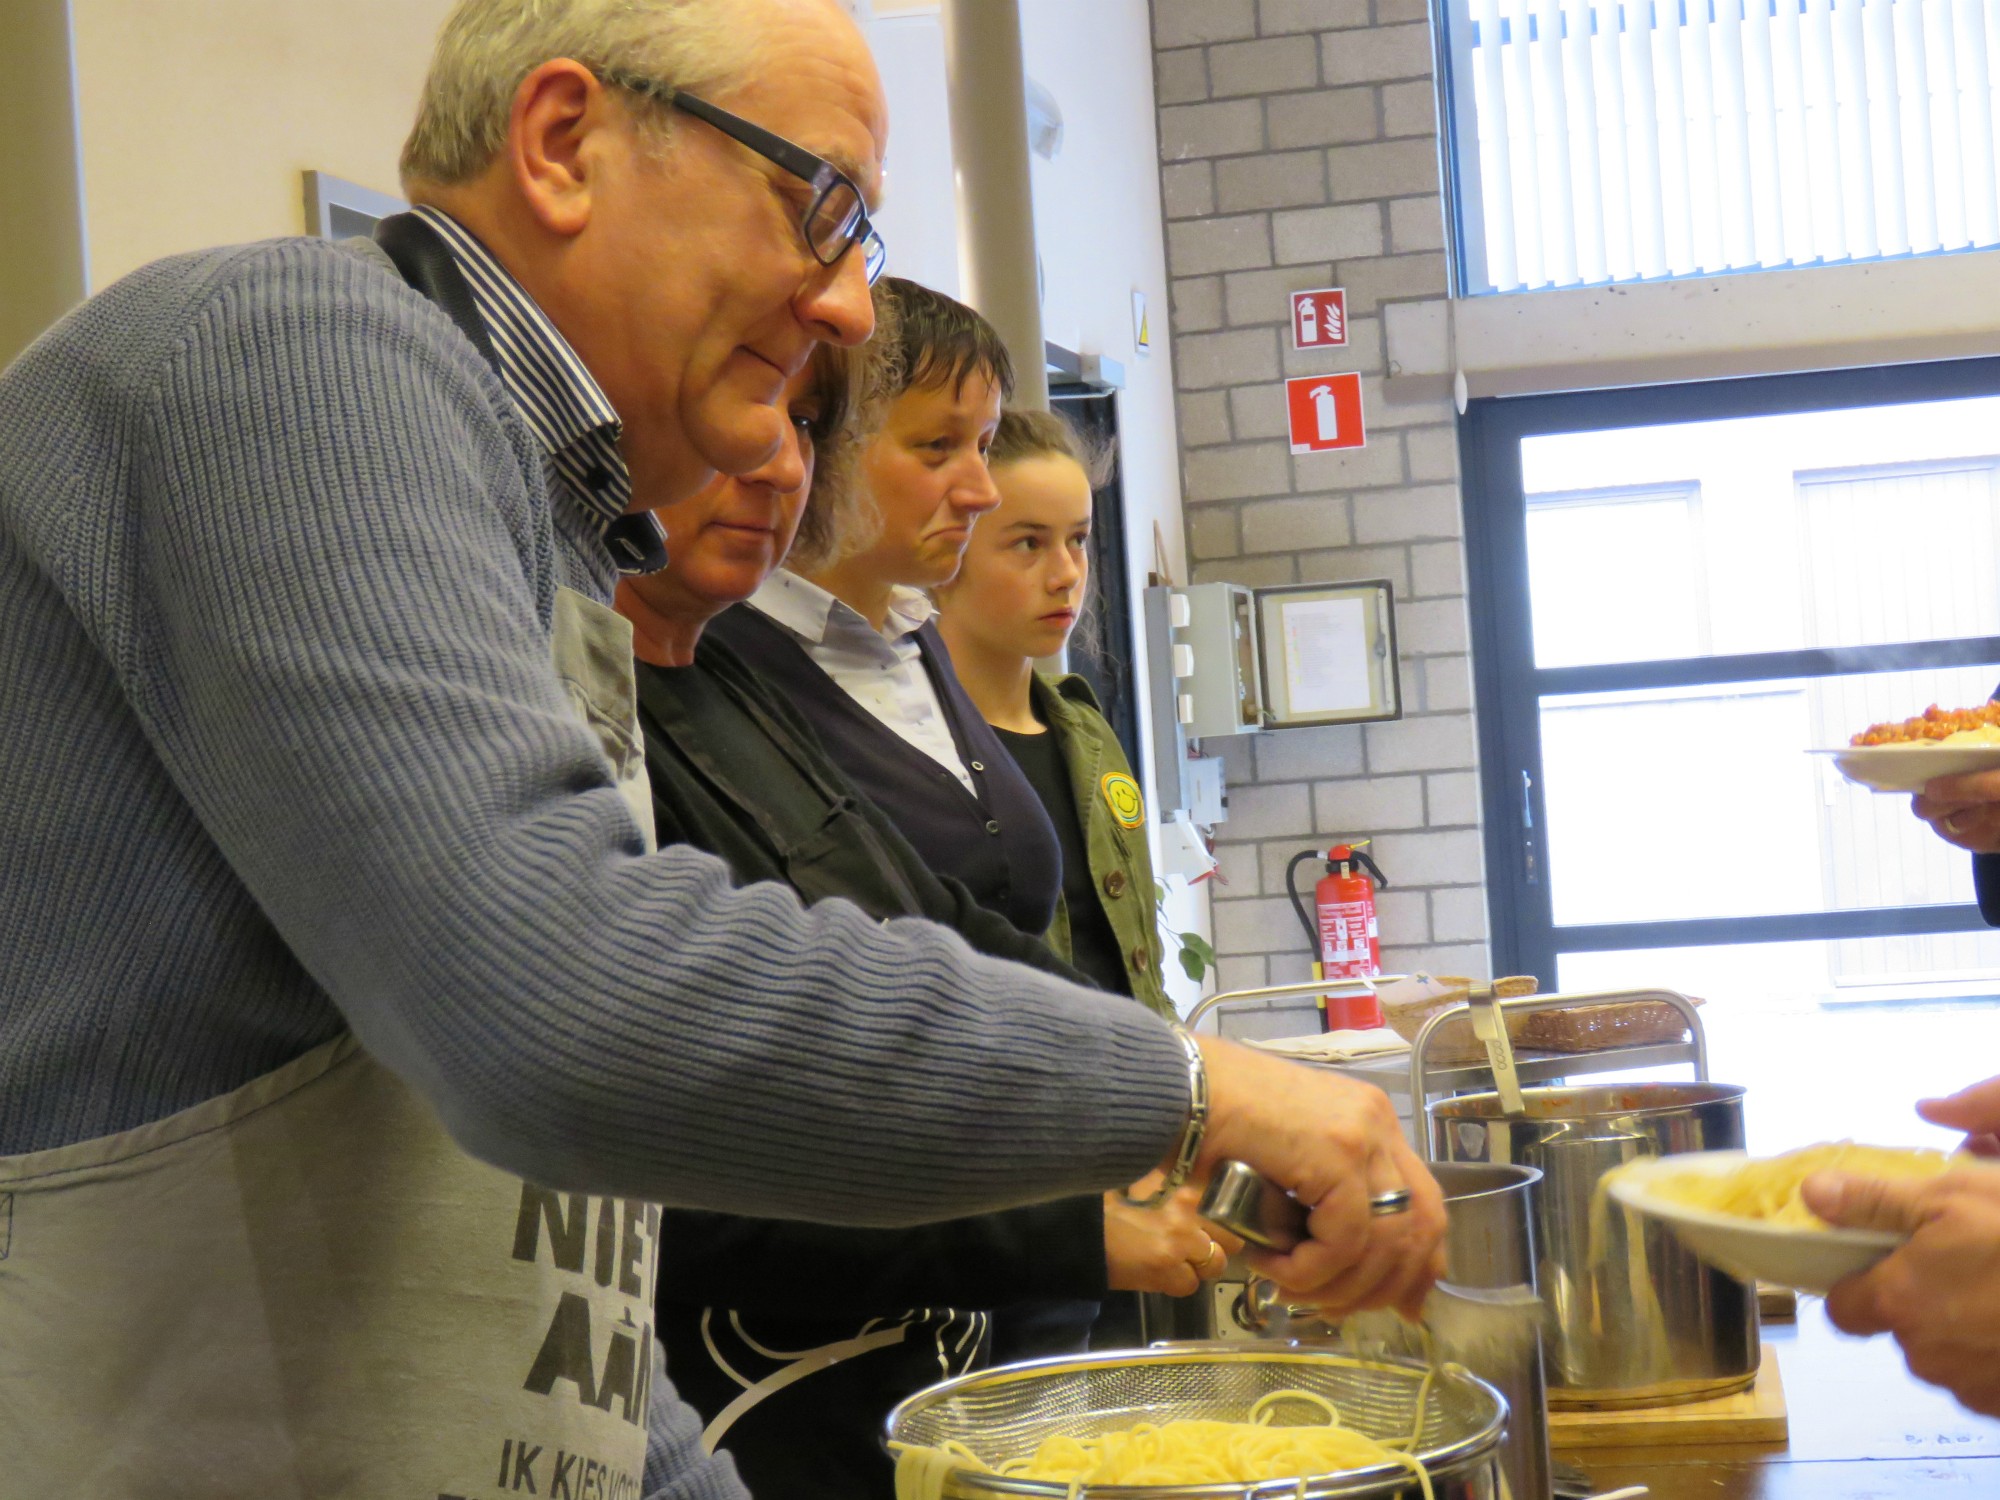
pixel 1250 1206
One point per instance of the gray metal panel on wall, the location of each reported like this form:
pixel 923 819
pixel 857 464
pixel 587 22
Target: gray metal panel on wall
pixel 44 263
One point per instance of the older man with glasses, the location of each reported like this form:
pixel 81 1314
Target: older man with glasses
pixel 351 1032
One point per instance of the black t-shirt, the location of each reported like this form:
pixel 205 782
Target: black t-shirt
pixel 1093 945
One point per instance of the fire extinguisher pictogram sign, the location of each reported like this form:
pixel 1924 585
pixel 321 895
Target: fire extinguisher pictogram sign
pixel 1324 413
pixel 1319 318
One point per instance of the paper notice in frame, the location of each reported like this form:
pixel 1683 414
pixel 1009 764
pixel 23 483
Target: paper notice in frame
pixel 1329 666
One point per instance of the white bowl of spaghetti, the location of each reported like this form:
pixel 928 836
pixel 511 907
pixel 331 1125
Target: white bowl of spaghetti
pixel 1745 1215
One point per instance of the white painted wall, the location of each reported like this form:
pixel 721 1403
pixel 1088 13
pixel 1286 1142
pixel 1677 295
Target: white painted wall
pixel 42 257
pixel 1101 237
pixel 198 116
pixel 1098 220
pixel 918 221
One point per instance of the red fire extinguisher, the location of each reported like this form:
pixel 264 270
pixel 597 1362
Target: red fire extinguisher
pixel 1341 927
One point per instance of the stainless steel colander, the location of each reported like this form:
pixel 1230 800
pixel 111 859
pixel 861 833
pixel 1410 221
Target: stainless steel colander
pixel 1006 1413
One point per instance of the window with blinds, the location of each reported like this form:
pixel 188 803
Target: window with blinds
pixel 1599 142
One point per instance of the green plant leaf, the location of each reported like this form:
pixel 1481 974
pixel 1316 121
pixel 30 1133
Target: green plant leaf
pixel 1197 954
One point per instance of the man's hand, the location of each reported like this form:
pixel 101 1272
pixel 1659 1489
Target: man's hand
pixel 1964 810
pixel 1940 1293
pixel 1333 1143
pixel 1167 1249
pixel 1974 1110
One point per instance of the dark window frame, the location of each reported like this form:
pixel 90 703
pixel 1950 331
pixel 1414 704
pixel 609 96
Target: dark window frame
pixel 1104 652
pixel 1509 687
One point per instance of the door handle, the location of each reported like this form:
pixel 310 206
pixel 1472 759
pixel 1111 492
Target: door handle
pixel 1530 862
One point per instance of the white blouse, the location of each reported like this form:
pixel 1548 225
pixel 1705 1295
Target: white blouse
pixel 883 670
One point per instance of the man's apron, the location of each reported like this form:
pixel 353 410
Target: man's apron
pixel 304 1288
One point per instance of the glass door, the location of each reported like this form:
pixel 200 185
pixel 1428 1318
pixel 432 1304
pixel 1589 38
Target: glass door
pixel 1677 594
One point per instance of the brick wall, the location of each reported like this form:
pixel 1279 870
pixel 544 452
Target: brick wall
pixel 1298 143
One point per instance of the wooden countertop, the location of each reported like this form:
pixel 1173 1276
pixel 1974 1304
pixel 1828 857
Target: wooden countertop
pixel 1862 1428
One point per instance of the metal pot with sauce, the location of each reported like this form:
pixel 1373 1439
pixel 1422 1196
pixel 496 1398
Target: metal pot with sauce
pixel 1633 1318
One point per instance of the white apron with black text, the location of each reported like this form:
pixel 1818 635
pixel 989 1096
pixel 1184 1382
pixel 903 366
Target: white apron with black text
pixel 303 1288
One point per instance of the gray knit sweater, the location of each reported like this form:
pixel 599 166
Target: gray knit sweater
pixel 281 753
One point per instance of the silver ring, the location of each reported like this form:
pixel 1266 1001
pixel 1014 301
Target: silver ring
pixel 1395 1201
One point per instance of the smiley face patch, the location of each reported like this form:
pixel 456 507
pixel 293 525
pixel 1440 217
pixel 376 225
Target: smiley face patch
pixel 1123 797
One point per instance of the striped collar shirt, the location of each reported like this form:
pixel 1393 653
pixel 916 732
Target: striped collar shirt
pixel 558 398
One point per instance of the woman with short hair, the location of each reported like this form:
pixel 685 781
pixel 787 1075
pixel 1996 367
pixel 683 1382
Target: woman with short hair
pixel 793 1340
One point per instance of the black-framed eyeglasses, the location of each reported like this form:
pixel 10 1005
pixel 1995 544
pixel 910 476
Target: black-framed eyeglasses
pixel 837 219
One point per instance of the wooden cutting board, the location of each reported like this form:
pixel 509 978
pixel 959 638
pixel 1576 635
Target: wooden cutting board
pixel 1756 1415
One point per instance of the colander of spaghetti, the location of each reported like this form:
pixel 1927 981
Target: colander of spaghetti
pixel 1748 1216
pixel 1202 1421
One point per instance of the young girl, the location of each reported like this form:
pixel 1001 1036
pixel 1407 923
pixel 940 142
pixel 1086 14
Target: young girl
pixel 1018 595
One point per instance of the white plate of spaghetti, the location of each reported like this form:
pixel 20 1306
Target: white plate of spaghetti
pixel 1745 1215
pixel 1903 756
pixel 1910 767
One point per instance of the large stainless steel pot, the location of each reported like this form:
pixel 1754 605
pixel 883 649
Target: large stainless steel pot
pixel 1634 1319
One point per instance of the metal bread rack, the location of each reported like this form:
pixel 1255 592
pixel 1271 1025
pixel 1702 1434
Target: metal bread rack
pixel 1417 1080
pixel 1540 1067
pixel 1289 991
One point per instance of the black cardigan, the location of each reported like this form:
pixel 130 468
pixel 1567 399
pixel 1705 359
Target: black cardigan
pixel 775 808
pixel 999 844
pixel 737 770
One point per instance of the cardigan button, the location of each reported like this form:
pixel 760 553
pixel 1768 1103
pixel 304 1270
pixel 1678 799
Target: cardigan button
pixel 1114 884
pixel 992 826
pixel 978 765
pixel 1141 959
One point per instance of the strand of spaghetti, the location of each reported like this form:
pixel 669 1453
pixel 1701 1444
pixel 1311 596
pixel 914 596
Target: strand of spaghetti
pixel 1415 1439
pixel 1260 1413
pixel 921 1471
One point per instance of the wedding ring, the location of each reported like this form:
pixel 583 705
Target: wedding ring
pixel 1396 1201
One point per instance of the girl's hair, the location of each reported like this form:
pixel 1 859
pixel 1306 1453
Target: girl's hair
pixel 1025 433
pixel 853 387
pixel 941 342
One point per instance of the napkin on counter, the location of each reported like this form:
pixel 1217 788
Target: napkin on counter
pixel 1338 1046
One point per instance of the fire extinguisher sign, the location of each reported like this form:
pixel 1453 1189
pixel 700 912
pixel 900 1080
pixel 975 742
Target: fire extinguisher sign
pixel 1319 319
pixel 1324 413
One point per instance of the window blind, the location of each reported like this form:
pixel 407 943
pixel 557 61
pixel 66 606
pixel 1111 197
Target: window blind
pixel 1602 142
